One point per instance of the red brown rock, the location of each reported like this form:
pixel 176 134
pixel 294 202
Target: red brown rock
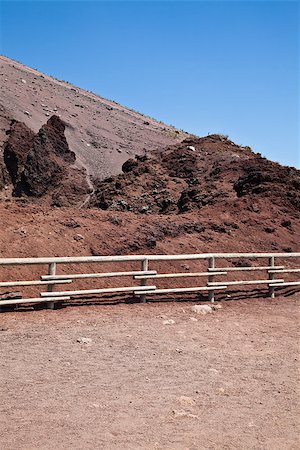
pixel 41 165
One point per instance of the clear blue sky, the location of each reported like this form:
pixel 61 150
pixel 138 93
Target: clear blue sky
pixel 204 66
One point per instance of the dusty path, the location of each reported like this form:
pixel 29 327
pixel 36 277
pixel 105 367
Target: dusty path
pixel 226 381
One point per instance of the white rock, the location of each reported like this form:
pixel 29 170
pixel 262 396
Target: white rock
pixel 193 319
pixel 24 81
pixel 169 322
pixel 190 147
pixel 183 413
pixel 78 237
pixel 202 309
pixel 84 340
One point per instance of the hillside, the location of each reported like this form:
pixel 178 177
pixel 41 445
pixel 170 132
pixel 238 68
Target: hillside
pixel 101 133
pixel 199 173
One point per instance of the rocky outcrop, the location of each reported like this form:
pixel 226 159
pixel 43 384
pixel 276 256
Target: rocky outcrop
pixel 42 165
pixel 16 150
pixel 195 174
pixel 270 180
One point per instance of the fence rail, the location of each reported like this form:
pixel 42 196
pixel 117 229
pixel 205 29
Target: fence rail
pixel 213 269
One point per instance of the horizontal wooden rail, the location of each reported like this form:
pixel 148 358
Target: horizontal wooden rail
pixel 191 289
pixel 99 259
pixel 98 291
pixel 31 300
pixel 287 283
pixel 79 276
pixel 32 283
pixel 240 269
pixel 241 283
pixel 178 275
pixel 285 271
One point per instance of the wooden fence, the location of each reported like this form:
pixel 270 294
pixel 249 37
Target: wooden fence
pixel 218 272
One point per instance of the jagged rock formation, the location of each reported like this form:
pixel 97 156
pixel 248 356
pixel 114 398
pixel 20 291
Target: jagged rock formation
pixel 197 173
pixel 42 166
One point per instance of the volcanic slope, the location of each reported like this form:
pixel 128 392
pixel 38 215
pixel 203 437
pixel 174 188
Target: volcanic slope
pixel 198 174
pixel 101 133
pixel 202 195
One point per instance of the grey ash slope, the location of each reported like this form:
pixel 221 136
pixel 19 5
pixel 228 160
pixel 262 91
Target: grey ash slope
pixel 101 133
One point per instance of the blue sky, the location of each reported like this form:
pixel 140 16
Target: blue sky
pixel 228 67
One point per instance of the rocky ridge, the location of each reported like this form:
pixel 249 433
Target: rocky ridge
pixel 198 173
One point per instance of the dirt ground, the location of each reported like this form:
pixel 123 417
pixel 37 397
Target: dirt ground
pixel 226 380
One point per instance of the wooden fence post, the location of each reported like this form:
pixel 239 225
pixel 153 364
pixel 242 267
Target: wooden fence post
pixel 144 281
pixel 211 265
pixel 271 277
pixel 51 287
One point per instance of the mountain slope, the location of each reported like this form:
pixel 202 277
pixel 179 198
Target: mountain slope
pixel 199 173
pixel 101 133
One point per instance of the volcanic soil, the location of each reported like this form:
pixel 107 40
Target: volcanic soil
pixel 227 380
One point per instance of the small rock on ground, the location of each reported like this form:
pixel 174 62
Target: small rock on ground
pixel 183 413
pixel 202 309
pixel 169 322
pixel 84 340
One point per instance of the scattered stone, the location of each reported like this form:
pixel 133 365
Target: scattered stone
pixel 202 309
pixel 269 229
pixel 21 231
pixel 186 401
pixel 144 209
pixel 287 249
pixel 221 391
pixel 286 223
pixel 23 81
pixel 193 319
pixel 10 296
pixel 78 237
pixel 168 322
pixel 84 340
pixel 71 223
pixel 190 147
pixel 183 413
pixel 27 113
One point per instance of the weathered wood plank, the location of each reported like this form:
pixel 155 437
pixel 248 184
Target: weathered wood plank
pixel 98 291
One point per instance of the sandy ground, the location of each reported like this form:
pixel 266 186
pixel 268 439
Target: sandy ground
pixel 228 380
